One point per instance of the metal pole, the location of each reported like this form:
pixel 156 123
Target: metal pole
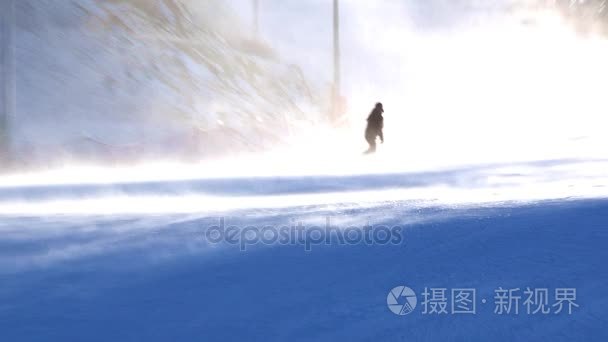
pixel 336 105
pixel 8 74
pixel 336 49
pixel 256 17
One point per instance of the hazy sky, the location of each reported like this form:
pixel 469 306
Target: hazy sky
pixel 374 34
pixel 461 63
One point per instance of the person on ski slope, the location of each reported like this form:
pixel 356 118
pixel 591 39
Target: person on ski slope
pixel 375 124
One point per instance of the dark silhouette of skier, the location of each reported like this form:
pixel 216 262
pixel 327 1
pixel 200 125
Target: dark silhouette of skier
pixel 375 124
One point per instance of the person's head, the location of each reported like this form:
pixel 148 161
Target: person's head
pixel 379 106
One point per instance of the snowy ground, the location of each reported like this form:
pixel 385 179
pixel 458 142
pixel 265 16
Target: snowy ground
pixel 130 261
pixel 493 176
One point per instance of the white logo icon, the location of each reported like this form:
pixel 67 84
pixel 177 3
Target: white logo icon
pixel 401 300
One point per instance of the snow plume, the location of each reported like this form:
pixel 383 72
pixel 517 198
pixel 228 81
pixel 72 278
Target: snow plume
pixel 475 81
pixel 126 80
pixel 463 82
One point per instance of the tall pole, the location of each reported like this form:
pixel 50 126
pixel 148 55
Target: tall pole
pixel 336 85
pixel 256 18
pixel 8 79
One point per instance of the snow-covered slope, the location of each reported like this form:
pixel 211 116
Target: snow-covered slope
pixel 136 261
pixel 129 79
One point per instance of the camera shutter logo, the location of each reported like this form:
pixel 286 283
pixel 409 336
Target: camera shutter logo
pixel 401 300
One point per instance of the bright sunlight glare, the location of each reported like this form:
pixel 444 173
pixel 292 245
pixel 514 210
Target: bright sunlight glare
pixel 507 93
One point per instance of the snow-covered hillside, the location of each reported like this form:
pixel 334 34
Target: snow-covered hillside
pixel 124 80
pixel 138 261
pixel 492 179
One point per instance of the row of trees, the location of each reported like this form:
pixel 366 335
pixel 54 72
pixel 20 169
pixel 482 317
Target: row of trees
pixel 586 16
